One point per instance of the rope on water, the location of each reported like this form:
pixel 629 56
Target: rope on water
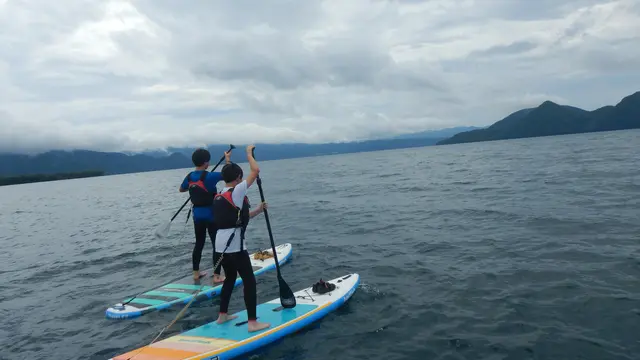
pixel 180 313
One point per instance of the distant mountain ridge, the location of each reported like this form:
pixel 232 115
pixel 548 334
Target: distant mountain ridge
pixel 284 151
pixel 550 119
pixel 58 161
pixel 443 133
pixel 547 119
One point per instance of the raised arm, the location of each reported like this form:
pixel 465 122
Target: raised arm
pixel 227 157
pixel 253 166
pixel 216 176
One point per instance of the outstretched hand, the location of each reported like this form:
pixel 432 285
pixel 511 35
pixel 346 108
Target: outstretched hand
pixel 259 210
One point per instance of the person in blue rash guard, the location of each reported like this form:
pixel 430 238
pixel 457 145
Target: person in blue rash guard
pixel 201 185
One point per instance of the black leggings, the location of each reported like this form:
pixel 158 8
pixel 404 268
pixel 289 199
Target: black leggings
pixel 233 264
pixel 201 228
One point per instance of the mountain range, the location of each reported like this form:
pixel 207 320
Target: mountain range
pixel 59 161
pixel 550 118
pixel 443 133
pixel 547 119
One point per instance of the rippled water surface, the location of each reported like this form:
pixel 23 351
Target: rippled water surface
pixel 524 249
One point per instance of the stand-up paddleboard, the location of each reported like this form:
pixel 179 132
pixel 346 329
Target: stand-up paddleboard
pixel 231 339
pixel 182 290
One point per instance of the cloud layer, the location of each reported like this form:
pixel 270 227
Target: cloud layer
pixel 134 75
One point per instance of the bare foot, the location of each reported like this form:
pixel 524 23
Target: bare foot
pixel 257 326
pixel 223 318
pixel 218 278
pixel 198 274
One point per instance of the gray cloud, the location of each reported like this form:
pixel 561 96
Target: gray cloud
pixel 513 48
pixel 133 75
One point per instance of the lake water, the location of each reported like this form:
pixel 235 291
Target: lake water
pixel 523 249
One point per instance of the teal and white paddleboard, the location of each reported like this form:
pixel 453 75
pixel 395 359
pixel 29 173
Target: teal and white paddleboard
pixel 213 341
pixel 181 291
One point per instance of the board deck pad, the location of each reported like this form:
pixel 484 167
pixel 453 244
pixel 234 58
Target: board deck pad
pixel 215 341
pixel 181 291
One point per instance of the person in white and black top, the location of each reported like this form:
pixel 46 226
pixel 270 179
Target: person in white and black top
pixel 231 207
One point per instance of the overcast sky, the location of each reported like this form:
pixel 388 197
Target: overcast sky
pixel 131 75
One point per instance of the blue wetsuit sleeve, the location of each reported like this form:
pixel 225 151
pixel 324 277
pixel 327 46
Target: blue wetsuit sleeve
pixel 212 180
pixel 185 183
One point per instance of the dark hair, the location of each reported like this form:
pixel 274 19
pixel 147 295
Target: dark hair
pixel 230 172
pixel 200 156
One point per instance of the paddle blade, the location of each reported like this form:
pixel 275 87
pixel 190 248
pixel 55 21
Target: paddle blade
pixel 287 299
pixel 163 230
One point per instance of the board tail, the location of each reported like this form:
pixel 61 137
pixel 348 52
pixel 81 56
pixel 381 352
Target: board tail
pixel 232 339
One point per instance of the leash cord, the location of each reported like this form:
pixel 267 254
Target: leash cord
pixel 188 304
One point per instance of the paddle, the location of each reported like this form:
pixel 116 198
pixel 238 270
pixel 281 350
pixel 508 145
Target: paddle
pixel 163 230
pixel 287 299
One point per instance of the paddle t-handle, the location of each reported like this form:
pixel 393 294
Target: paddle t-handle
pixel 231 147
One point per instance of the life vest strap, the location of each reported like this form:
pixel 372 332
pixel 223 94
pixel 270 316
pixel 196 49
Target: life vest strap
pixel 226 220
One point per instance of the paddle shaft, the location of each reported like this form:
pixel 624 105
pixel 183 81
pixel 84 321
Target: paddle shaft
pixel 181 207
pixel 231 147
pixel 266 218
pixel 287 298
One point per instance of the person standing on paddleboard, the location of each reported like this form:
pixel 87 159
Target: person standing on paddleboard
pixel 231 207
pixel 201 185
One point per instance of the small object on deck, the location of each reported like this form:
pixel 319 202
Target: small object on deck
pixel 263 255
pixel 322 287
